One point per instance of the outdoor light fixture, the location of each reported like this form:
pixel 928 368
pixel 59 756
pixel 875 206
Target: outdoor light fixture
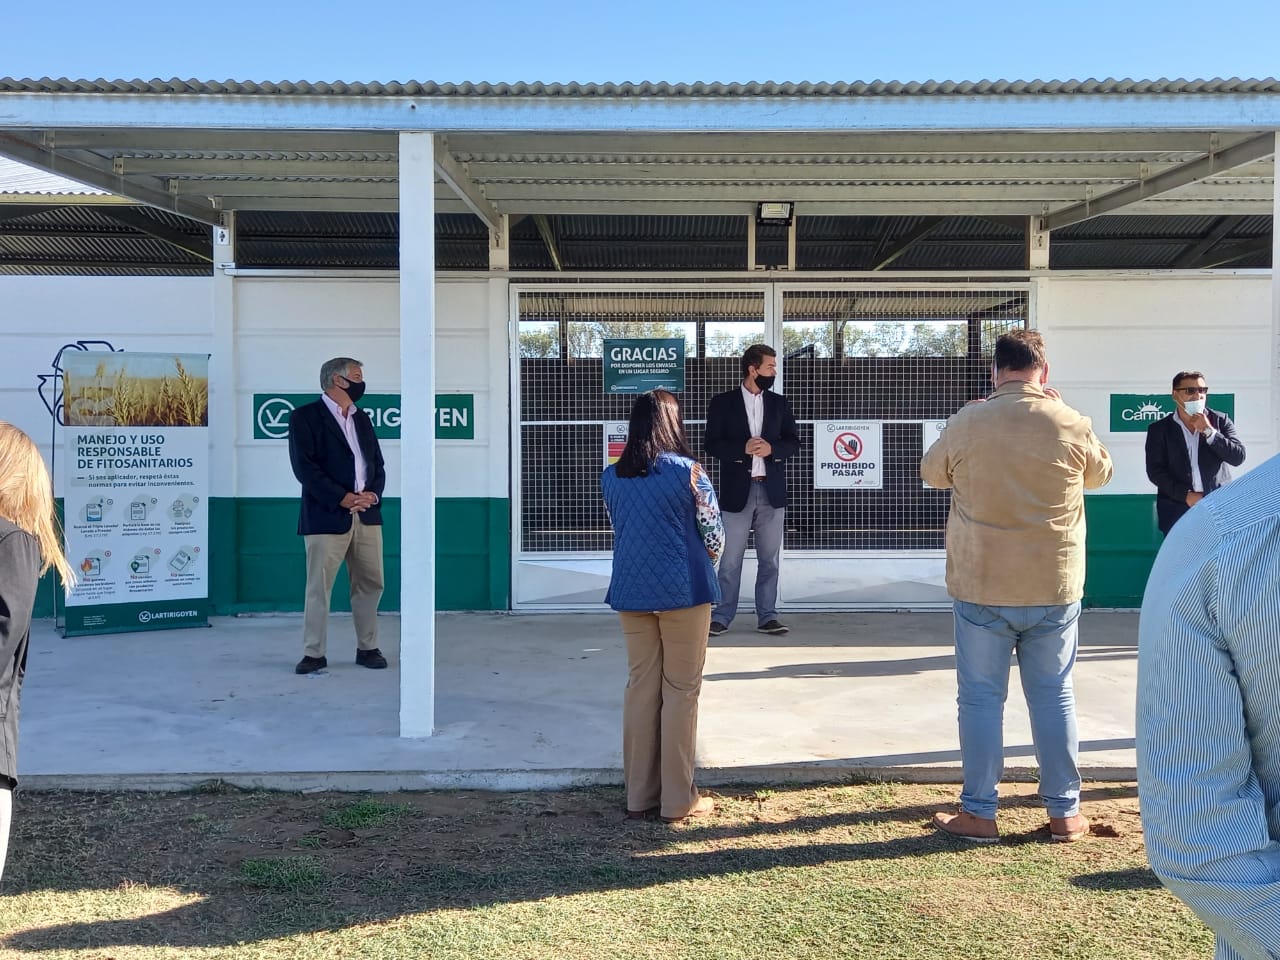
pixel 775 212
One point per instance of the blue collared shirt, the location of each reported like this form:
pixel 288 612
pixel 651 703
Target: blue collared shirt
pixel 1209 714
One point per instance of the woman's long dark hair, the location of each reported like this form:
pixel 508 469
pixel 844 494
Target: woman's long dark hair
pixel 655 427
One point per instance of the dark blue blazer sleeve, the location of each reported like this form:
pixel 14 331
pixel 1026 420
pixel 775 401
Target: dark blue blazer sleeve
pixel 325 466
pixel 310 458
pixel 1226 444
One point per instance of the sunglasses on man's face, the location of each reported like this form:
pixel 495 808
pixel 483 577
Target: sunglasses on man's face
pixel 1193 391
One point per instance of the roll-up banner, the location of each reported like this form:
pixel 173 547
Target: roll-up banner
pixel 136 493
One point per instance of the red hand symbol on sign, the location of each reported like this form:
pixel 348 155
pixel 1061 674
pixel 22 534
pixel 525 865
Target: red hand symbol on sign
pixel 847 447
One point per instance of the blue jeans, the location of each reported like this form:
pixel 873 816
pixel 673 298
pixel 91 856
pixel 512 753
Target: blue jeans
pixel 1045 640
pixel 769 523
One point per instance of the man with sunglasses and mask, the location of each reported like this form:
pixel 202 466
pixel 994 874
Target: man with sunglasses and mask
pixel 1190 451
pixel 337 459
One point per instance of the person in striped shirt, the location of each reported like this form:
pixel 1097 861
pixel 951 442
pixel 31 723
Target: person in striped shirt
pixel 1208 723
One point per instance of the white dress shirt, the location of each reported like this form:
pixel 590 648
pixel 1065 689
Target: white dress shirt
pixel 1193 451
pixel 347 424
pixel 755 423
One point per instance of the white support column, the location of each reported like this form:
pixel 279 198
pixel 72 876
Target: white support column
pixel 223 369
pixel 417 436
pixel 1037 244
pixel 500 245
pixel 751 242
pixel 1275 303
pixel 792 232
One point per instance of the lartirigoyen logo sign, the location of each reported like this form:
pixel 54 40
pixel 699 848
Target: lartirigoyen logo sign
pixel 271 420
pixel 455 414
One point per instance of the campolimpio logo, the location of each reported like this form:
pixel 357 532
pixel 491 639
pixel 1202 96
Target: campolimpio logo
pixel 1144 412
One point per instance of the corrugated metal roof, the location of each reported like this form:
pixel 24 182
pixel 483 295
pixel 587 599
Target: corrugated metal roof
pixel 18 178
pixel 89 238
pixel 1126 87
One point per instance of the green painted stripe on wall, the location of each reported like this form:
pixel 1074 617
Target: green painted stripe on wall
pixel 1122 546
pixel 257 561
pixel 257 558
pixel 473 549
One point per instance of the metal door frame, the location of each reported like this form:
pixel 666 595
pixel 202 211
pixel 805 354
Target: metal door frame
pixel 595 564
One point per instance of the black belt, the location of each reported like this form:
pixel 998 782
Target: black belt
pixel 757 479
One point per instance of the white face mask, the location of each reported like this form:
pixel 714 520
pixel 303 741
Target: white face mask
pixel 1193 407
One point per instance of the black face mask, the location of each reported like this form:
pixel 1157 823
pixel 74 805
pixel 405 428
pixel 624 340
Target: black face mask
pixel 355 389
pixel 764 383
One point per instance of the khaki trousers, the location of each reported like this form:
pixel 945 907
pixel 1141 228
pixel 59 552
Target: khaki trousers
pixel 666 651
pixel 361 549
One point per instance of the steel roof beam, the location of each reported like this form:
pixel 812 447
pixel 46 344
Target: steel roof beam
pixel 66 199
pixel 118 140
pixel 163 167
pixel 730 208
pixel 889 143
pixel 548 236
pixel 904 243
pixel 1214 163
pixel 143 190
pixel 733 113
pixel 1234 253
pixel 297 189
pixel 455 175
pixel 785 171
pixel 533 193
pixel 334 204
pixel 137 220
pixel 1191 256
pixel 1090 146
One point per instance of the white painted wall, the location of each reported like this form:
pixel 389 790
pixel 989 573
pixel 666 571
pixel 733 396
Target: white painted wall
pixel 286 327
pixel 1107 333
pixel 142 314
pixel 1121 333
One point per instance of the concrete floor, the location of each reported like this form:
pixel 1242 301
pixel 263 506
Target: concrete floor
pixel 527 701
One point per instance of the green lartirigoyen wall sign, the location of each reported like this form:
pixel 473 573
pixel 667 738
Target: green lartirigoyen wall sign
pixel 455 414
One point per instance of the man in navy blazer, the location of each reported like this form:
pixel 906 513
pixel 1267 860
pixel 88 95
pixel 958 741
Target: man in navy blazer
pixel 751 431
pixel 1188 452
pixel 337 459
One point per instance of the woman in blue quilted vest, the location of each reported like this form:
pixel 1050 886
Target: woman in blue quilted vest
pixel 667 538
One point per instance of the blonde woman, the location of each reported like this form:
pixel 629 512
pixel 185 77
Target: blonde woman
pixel 29 545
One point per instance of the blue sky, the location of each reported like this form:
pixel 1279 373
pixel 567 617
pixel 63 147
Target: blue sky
pixel 660 40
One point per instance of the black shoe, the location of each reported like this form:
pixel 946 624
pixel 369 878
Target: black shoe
pixel 310 664
pixel 717 628
pixel 773 627
pixel 373 659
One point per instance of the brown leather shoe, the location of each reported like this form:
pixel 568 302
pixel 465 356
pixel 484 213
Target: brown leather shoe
pixel 310 665
pixel 965 826
pixel 1068 829
pixel 705 807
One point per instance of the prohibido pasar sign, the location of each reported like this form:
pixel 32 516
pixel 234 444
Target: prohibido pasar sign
pixel 848 455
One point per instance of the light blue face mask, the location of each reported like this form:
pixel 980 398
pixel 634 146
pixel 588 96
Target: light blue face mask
pixel 1192 407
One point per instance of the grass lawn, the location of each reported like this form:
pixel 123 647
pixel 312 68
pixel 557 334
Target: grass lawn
pixel 834 871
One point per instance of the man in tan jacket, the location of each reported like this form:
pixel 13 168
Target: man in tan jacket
pixel 1017 465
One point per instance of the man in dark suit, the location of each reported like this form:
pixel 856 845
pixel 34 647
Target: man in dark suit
pixel 751 431
pixel 337 459
pixel 1188 452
